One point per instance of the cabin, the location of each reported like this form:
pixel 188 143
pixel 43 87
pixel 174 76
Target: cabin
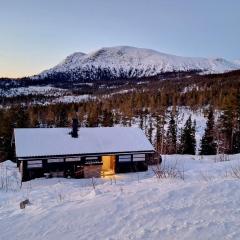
pixel 80 153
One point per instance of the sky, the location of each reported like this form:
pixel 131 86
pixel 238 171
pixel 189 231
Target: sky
pixel 36 35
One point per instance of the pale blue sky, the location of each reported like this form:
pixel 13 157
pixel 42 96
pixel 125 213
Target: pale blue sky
pixel 37 34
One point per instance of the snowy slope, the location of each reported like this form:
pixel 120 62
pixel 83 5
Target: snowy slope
pixel 205 205
pixel 124 61
pixel 32 90
pixel 237 61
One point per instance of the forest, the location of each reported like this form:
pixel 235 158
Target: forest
pixel 152 104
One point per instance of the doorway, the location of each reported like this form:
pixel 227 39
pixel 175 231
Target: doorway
pixel 108 167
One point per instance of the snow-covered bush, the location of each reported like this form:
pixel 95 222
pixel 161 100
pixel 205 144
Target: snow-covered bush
pixel 222 157
pixel 164 170
pixel 235 171
pixel 9 178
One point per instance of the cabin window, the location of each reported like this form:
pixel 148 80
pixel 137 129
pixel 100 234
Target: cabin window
pixel 56 160
pixel 139 157
pixel 73 159
pixel 92 160
pixel 34 164
pixel 124 158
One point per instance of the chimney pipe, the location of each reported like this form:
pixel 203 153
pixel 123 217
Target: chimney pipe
pixel 74 132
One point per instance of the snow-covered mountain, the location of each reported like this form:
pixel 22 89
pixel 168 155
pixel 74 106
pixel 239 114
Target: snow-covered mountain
pixel 131 62
pixel 237 61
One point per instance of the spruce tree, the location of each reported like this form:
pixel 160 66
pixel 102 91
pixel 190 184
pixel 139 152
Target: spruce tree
pixel 62 118
pixel 236 134
pixel 107 119
pixel 172 136
pixel 188 141
pixel 22 118
pixel 150 129
pixel 141 120
pixel 160 132
pixel 157 140
pixel 208 141
pixel 226 128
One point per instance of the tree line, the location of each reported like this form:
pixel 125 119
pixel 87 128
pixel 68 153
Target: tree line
pixel 147 106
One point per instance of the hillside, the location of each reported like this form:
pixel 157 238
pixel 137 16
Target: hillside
pixel 139 103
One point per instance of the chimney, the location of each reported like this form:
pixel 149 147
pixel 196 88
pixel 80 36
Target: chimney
pixel 74 132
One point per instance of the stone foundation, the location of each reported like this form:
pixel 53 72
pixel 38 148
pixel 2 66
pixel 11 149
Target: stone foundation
pixel 92 171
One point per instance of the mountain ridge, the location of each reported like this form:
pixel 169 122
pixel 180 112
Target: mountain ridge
pixel 132 62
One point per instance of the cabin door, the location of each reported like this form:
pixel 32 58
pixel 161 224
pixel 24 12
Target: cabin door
pixel 108 167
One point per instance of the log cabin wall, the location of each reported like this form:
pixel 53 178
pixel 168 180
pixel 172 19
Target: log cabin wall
pixel 81 166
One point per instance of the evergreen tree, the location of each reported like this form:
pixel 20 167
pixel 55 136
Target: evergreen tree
pixel 157 140
pixel 16 118
pixel 141 120
pixel 107 119
pixel 236 134
pixel 188 141
pixel 150 129
pixel 208 142
pixel 172 136
pixel 62 118
pixel 226 128
pixel 11 119
pixel 160 135
pixel 236 142
pixel 92 120
pixel 22 118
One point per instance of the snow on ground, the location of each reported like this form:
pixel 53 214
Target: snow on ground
pixel 73 99
pixel 33 90
pixel 61 95
pixel 205 205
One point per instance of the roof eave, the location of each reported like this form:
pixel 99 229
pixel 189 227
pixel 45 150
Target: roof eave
pixel 83 154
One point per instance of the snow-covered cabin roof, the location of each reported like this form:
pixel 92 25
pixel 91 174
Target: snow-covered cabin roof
pixel 36 142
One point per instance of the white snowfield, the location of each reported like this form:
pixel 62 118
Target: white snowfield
pixel 205 205
pixel 237 61
pixel 138 62
pixel 33 90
